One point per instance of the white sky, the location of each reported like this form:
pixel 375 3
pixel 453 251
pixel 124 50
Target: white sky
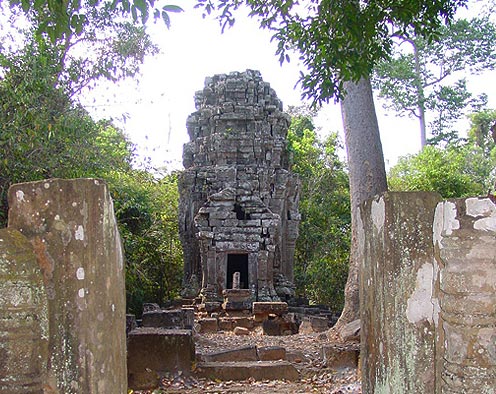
pixel 158 104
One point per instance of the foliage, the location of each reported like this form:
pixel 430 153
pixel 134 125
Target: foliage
pixel 322 249
pixel 416 81
pixel 107 48
pixel 449 104
pixel 326 280
pixel 63 19
pixel 146 211
pixel 338 40
pixel 43 134
pixel 456 171
pixel 483 130
pixel 464 168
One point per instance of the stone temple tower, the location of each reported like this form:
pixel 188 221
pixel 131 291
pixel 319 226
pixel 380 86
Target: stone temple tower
pixel 238 207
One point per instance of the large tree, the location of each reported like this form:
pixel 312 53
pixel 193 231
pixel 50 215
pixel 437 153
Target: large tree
pixel 465 167
pixel 367 174
pixel 43 133
pixel 414 81
pixel 340 42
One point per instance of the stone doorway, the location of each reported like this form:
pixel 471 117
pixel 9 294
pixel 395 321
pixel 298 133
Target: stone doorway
pixel 237 262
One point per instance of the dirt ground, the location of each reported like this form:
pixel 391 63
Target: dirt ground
pixel 315 377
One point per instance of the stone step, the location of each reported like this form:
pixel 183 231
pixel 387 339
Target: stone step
pixel 249 353
pixel 258 370
pixel 238 355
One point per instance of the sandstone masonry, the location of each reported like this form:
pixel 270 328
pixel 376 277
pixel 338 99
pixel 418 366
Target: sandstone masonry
pixel 238 198
pixel 73 233
pixel 23 317
pixel 428 294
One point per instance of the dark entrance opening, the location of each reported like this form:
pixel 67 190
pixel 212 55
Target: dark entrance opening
pixel 237 263
pixel 240 213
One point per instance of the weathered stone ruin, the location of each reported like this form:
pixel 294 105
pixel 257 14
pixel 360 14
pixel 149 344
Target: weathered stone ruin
pixel 62 296
pixel 153 352
pixel 427 284
pixel 23 317
pixel 428 294
pixel 238 198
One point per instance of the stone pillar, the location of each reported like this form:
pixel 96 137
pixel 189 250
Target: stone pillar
pixel 253 274
pixel 212 267
pixel 209 271
pixel 396 291
pixel 264 284
pixel 465 241
pixel 23 317
pixel 72 227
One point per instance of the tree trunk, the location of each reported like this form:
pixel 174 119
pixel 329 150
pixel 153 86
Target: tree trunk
pixel 367 174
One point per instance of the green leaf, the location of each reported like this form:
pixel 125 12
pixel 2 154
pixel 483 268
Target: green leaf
pixel 141 5
pixel 26 5
pixel 166 19
pixel 52 33
pixel 172 8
